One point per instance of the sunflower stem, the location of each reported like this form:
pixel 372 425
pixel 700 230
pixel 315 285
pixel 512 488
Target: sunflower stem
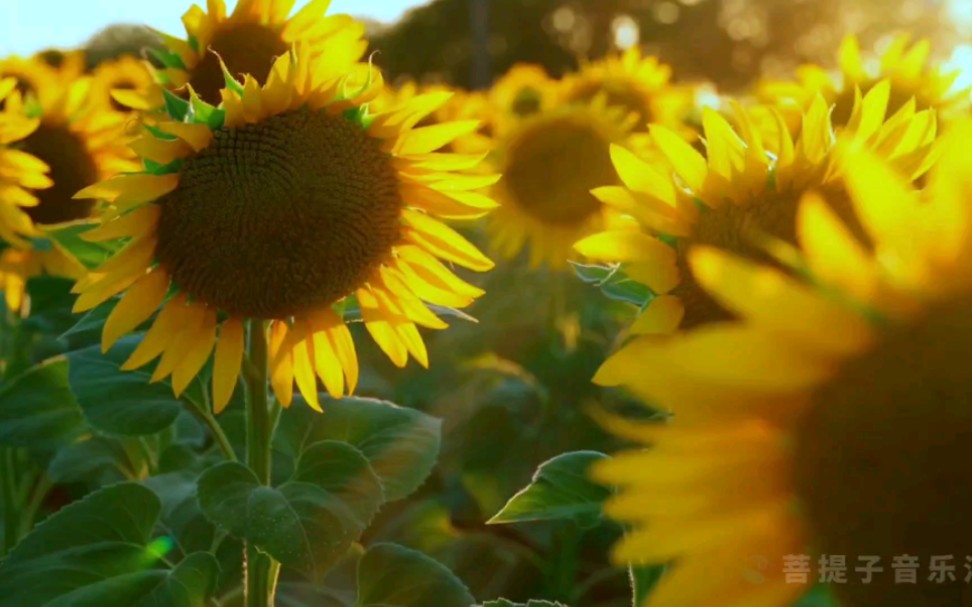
pixel 261 570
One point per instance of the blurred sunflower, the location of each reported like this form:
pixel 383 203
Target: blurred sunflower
pixel 288 204
pixel 549 164
pixel 640 85
pixel 523 91
pixel 832 419
pixel 56 141
pixel 741 196
pixel 123 74
pixel 30 74
pixel 906 65
pixel 246 42
pixel 69 63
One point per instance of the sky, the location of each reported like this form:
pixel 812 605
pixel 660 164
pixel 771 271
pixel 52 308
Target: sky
pixel 27 26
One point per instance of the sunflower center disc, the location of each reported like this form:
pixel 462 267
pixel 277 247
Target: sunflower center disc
pixel 740 229
pixel 72 169
pixel 552 168
pixel 882 460
pixel 276 218
pixel 247 48
pixel 526 102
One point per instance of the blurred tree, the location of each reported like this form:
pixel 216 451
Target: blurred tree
pixel 728 42
pixel 118 40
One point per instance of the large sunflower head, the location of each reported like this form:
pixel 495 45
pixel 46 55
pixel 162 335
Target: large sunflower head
pixel 549 163
pixel 639 85
pixel 247 41
pixel 290 205
pixel 832 419
pixel 56 140
pixel 740 196
pixel 905 64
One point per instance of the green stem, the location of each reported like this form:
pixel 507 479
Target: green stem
pixel 222 441
pixel 34 502
pixel 260 569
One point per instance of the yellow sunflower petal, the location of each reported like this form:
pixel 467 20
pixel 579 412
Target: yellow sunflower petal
pixel 662 317
pixel 227 362
pixel 135 307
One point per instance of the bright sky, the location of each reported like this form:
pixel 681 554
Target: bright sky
pixel 27 26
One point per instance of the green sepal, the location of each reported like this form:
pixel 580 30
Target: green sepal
pixel 357 115
pixel 156 168
pixel 159 133
pixel 176 107
pixel 614 283
pixel 167 58
pixel 231 83
pixel 204 113
pixel 193 43
pixel 41 245
pixel 668 239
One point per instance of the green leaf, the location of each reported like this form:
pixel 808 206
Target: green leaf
pixel 116 401
pixel 394 576
pixel 188 585
pixel 99 460
pixel 401 444
pixel 560 490
pixel 181 517
pixel 97 552
pixel 530 603
pixel 91 254
pixel 307 523
pixel 87 330
pixel 37 409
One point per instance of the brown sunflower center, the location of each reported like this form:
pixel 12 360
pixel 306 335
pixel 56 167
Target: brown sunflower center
pixel 276 218
pixel 526 102
pixel 882 458
pixel 617 94
pixel 741 229
pixel 553 166
pixel 72 169
pixel 247 48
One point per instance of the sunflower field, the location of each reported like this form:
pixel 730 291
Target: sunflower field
pixel 509 303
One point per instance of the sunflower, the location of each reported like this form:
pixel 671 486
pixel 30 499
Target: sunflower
pixel 68 63
pixel 288 204
pixel 523 91
pixel 833 418
pixel 123 74
pixel 742 196
pixel 56 141
pixel 904 64
pixel 549 163
pixel 245 42
pixel 30 74
pixel 638 84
